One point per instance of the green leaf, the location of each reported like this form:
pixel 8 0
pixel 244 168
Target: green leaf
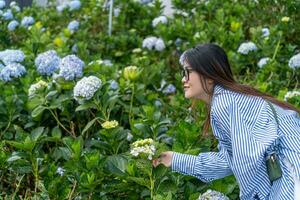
pixel 116 164
pixel 89 125
pixel 56 132
pixel 140 181
pixel 85 106
pixel 36 133
pixel 38 111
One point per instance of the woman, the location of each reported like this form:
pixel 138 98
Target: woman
pixel 254 131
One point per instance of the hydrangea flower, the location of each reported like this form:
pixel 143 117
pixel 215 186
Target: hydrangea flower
pixel 71 67
pixel 145 1
pixel 153 43
pixel 107 62
pixel 27 21
pixel 61 7
pixel 46 63
pixel 114 85
pixel 265 32
pixel 13 70
pixel 11 56
pixel 110 124
pixel 60 171
pixel 169 89
pixel 74 48
pixel 74 5
pixel 8 15
pixel 131 73
pixel 117 12
pixel 285 19
pixel 143 148
pixel 246 47
pixel 212 195
pixel 149 42
pixel 73 26
pixel 2 4
pixel 129 137
pixel 35 88
pixel 157 103
pixel 159 45
pixel 12 25
pixel 294 61
pixel 86 88
pixel 14 5
pixel 161 19
pixel 291 94
pixel 263 61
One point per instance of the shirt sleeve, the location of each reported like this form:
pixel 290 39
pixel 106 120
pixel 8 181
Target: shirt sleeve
pixel 206 166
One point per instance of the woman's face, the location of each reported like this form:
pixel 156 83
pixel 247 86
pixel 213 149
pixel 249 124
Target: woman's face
pixel 193 88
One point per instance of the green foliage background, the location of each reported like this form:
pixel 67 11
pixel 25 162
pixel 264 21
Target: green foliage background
pixel 52 130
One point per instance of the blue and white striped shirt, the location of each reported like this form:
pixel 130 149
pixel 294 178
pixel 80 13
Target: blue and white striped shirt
pixel 246 128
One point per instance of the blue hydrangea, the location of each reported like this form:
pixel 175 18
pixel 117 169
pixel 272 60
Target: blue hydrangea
pixel 159 45
pixel 117 12
pixel 263 61
pixel 161 19
pixel 71 67
pixel 8 15
pixel 74 49
pixel 145 1
pixel 86 88
pixel 149 42
pixel 13 5
pixel 213 195
pixel 265 32
pixel 12 25
pixel 2 4
pixel 153 43
pixel 60 171
pixel 27 21
pixel 62 7
pixel 169 89
pixel 246 47
pixel 74 5
pixel 107 62
pixel 11 56
pixel 294 61
pixel 46 63
pixel 13 70
pixel 73 26
pixel 114 85
pixel 157 103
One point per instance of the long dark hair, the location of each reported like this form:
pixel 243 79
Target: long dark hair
pixel 211 62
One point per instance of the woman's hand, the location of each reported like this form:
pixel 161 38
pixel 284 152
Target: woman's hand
pixel 165 158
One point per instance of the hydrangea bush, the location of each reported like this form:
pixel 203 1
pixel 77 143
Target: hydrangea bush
pixel 67 128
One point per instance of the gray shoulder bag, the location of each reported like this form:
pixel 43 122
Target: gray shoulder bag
pixel 272 162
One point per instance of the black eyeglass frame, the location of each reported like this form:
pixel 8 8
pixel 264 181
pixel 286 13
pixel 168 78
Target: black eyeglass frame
pixel 185 73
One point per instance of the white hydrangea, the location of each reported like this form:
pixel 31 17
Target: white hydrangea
pixel 161 19
pixel 291 94
pixel 212 195
pixel 34 88
pixel 160 45
pixel 149 42
pixel 86 88
pixel 154 43
pixel 143 147
pixel 246 47
pixel 294 61
pixel 265 32
pixel 263 61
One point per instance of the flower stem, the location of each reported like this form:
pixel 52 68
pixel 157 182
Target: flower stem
pixel 131 103
pixel 59 123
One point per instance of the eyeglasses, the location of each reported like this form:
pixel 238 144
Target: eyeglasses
pixel 185 73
